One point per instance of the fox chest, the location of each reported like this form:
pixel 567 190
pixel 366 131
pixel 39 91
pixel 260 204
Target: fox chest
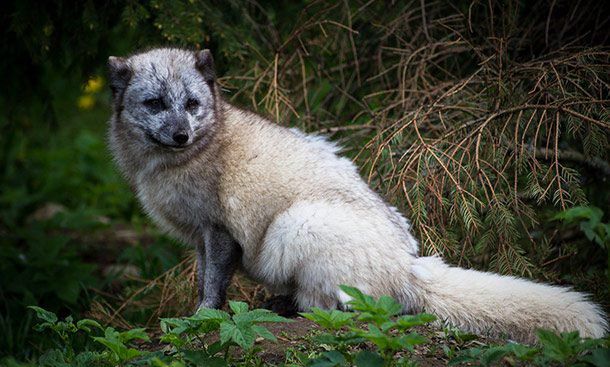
pixel 181 208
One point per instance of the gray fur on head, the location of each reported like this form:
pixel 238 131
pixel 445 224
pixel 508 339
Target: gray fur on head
pixel 119 74
pixel 205 64
pixel 165 96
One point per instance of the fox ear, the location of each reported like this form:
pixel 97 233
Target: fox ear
pixel 205 65
pixel 119 74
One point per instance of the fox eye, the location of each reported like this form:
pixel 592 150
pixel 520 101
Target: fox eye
pixel 191 104
pixel 154 104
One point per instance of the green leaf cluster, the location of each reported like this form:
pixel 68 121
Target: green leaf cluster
pixel 188 335
pixel 565 349
pixel 384 329
pixel 116 350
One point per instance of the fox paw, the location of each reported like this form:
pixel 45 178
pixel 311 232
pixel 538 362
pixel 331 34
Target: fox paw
pixel 283 305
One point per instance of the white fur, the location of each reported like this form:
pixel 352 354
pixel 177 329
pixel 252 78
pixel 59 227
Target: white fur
pixel 329 228
pixel 489 303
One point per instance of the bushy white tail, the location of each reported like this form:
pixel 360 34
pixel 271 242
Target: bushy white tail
pixel 501 305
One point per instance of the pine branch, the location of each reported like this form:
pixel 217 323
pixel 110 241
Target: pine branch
pixel 572 156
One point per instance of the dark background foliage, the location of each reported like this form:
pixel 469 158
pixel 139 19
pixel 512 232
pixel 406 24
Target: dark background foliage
pixel 480 120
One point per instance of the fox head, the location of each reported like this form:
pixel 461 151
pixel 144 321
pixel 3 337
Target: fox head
pixel 164 98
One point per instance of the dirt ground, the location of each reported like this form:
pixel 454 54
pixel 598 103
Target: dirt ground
pixel 298 335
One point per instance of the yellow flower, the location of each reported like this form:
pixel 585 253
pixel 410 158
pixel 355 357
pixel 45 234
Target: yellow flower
pixel 86 102
pixel 94 85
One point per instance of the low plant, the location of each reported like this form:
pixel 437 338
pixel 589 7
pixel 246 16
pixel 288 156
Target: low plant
pixel 188 339
pixel 565 349
pixel 388 333
pixel 115 351
pixel 589 221
pixel 190 336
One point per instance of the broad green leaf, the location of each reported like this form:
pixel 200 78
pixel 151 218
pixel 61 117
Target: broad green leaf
pixel 521 351
pixel 359 301
pixel 605 233
pixel 387 325
pixel 336 357
pixel 381 340
pixel 471 355
pixel 85 323
pixel 333 319
pixel 493 355
pixel 114 341
pixel 175 325
pixel 259 315
pixel 173 339
pixel 53 358
pixel 47 325
pixel 589 344
pixel 121 352
pixel 240 334
pixel 215 347
pixel 210 314
pixel 43 314
pixel 203 358
pixel 411 339
pixel 389 306
pixel 599 357
pixel 332 358
pixel 238 307
pixel 86 359
pixel 263 332
pixel 130 353
pixel 374 317
pixel 554 347
pixel 128 335
pixel 368 359
pixel 409 321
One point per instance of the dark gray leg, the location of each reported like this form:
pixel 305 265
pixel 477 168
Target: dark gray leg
pixel 217 260
pixel 200 271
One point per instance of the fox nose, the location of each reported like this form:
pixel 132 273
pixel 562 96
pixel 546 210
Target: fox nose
pixel 180 137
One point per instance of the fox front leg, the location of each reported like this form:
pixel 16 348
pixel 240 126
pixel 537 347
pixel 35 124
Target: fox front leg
pixel 217 259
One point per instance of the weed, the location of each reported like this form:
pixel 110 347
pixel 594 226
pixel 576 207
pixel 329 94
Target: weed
pixel 565 349
pixel 239 329
pixel 384 330
pixel 589 221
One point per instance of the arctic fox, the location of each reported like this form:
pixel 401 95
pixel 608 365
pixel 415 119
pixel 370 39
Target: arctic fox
pixel 294 215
